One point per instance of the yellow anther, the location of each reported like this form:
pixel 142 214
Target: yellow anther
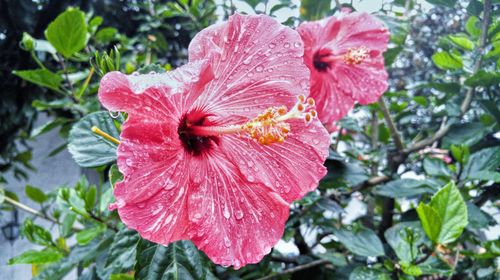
pixel 282 110
pixel 313 113
pixel 355 56
pixel 301 98
pixel 310 101
pixel 308 117
pixel 300 107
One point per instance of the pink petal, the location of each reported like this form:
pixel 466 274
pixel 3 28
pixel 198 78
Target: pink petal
pixel 292 168
pixel 332 103
pixel 144 142
pixel 161 216
pixel 316 34
pixel 257 63
pixel 146 95
pixel 233 221
pixel 365 82
pixel 356 30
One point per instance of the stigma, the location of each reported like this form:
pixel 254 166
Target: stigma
pixel 271 126
pixel 355 56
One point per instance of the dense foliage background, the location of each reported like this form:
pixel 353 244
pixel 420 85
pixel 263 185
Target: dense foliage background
pixel 421 167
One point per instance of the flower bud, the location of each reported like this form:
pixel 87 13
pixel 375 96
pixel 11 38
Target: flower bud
pixel 27 42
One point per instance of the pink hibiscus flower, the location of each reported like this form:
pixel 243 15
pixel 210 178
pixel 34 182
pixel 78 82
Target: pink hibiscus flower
pixel 216 150
pixel 345 58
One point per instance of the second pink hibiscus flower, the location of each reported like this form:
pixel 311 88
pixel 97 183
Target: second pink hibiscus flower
pixel 345 58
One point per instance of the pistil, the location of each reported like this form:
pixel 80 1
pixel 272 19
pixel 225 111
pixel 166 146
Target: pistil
pixel 324 58
pixel 269 127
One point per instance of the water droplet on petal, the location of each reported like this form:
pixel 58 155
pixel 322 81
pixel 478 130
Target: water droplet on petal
pixel 297 44
pixel 226 212
pixel 239 215
pixel 250 178
pixel 227 242
pixel 286 45
pixel 114 115
pixel 272 45
pixel 247 60
pixel 259 68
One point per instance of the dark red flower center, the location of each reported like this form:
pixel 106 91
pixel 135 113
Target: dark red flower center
pixel 320 60
pixel 195 144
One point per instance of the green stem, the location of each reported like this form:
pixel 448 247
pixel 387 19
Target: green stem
pixel 40 64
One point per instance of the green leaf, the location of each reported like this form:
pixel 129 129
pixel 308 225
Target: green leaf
pixel 436 167
pixel 477 218
pixel 445 217
pixel 41 77
pixel 37 257
pixel 475 7
pixel 405 239
pixel 405 188
pixel 252 3
pixel 472 26
pixel 114 175
pixel 35 194
pixel 37 131
pixel 2 195
pixel 364 273
pixel 55 104
pixel 278 7
pixel 485 175
pixel 35 233
pixel 483 78
pixel 90 197
pixel 445 3
pixel 68 32
pixel 431 222
pixel 484 160
pixel 411 269
pixel 121 276
pixel 391 54
pixel 452 210
pixel 94 23
pixel 447 61
pixel 462 41
pixel 67 224
pixel 85 236
pixel 420 100
pixel 363 242
pixel 89 149
pixel 398 28
pixel 460 153
pixel 106 35
pixel 465 134
pixel 337 259
pixel 121 256
pixel 346 173
pixel 180 260
pixel 78 255
pixel 452 88
pixel 314 9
